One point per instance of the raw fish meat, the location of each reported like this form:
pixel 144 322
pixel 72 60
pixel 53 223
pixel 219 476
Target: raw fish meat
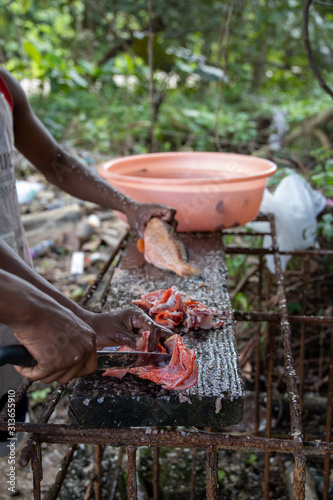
pixel 161 248
pixel 180 373
pixel 168 309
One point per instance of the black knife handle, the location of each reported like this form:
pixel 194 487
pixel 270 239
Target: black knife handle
pixel 16 355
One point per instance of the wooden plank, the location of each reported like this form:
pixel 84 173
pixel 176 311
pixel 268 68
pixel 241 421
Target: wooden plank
pixel 217 398
pixel 51 223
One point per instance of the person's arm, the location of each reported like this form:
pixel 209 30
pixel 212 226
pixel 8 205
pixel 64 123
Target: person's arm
pixel 115 328
pixel 61 343
pixel 34 141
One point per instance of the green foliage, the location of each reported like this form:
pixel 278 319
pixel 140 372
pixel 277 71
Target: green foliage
pixel 91 61
pixel 325 226
pixel 221 474
pixel 251 458
pixel 41 395
pixel 294 308
pixel 322 172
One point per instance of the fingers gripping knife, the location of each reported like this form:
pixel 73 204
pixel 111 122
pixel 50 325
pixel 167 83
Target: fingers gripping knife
pixel 109 357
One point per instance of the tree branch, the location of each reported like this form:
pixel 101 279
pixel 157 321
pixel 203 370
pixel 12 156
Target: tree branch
pixel 312 63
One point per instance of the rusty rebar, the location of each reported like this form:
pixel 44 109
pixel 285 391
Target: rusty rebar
pixel 290 374
pixel 271 343
pixel 32 442
pixel 257 353
pixel 98 471
pixel 276 317
pixel 193 473
pixel 60 477
pixel 329 422
pixel 212 467
pixel 299 477
pixel 91 289
pixel 156 472
pixel 63 434
pixel 274 249
pixel 95 477
pixel 19 393
pixel 37 470
pixel 131 464
pixel 302 345
pixel 116 474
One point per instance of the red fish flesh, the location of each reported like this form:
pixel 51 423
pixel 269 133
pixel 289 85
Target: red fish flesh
pixel 180 373
pixel 168 309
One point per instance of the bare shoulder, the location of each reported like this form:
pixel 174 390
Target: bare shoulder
pixel 14 87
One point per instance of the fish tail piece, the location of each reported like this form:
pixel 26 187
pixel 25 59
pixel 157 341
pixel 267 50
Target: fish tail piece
pixel 140 245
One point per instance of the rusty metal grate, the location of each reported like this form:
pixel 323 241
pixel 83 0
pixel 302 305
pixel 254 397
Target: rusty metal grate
pixel 130 439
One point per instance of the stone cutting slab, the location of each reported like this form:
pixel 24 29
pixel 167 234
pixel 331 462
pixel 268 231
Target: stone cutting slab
pixel 217 398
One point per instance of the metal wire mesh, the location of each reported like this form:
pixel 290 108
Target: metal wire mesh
pixel 274 363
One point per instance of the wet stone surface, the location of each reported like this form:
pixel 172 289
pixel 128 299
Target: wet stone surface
pixel 217 398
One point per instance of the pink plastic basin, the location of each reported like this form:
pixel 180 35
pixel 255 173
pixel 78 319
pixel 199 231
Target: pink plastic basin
pixel 210 191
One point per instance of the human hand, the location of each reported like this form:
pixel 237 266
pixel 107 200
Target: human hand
pixel 63 345
pixel 124 327
pixel 138 215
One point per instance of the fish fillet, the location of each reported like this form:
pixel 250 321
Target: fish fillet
pixel 180 373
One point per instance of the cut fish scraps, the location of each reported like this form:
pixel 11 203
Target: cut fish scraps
pixel 168 309
pixel 180 373
pixel 163 249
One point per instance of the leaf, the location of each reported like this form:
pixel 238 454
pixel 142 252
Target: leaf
pixel 221 474
pixel 252 458
pixel 77 79
pixel 39 396
pixel 32 52
pixel 325 226
pixel 211 72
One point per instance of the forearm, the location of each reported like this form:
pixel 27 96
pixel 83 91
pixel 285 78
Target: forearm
pixel 82 182
pixel 12 264
pixel 21 303
pixel 14 294
pixel 35 142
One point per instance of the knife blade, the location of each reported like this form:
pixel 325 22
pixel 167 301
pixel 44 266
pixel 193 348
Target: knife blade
pixel 109 357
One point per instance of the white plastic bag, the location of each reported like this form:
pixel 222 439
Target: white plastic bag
pixel 295 206
pixel 26 190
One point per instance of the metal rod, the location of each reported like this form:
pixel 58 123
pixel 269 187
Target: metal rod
pixel 156 472
pixel 28 449
pixel 19 393
pixel 37 470
pixel 116 474
pixel 131 481
pixel 211 474
pixel 193 473
pixel 89 293
pixel 275 317
pixel 257 354
pixel 257 383
pixel 329 422
pixel 66 461
pixel 290 374
pixel 271 338
pixel 299 477
pixel 98 477
pixel 302 346
pixel 60 433
pixel 274 249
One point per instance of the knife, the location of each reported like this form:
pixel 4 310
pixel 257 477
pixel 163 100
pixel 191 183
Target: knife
pixel 109 357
